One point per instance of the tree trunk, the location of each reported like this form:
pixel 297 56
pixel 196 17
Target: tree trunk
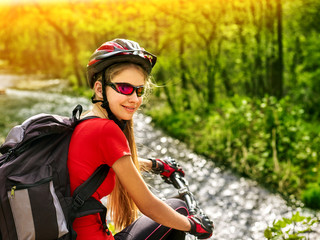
pixel 257 78
pixel 280 66
pixel 70 40
pixel 183 70
pixel 211 84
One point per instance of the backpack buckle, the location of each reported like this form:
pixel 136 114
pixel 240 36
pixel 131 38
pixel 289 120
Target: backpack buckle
pixel 77 202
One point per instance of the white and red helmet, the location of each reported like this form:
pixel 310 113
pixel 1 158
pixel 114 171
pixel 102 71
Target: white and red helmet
pixel 117 51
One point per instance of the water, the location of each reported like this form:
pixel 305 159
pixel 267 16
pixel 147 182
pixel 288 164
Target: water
pixel 238 206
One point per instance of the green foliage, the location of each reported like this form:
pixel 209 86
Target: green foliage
pixel 311 195
pixel 9 115
pixel 214 48
pixel 308 78
pixel 267 140
pixel 180 125
pixel 294 228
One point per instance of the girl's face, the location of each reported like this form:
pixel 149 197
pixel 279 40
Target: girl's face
pixel 124 106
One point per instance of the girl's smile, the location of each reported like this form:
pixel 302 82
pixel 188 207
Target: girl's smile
pixel 123 106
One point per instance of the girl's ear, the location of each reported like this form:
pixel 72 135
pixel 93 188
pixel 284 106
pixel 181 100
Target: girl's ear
pixel 98 89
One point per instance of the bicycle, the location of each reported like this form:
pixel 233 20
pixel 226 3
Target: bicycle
pixel 180 183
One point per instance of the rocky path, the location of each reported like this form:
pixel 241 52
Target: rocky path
pixel 240 208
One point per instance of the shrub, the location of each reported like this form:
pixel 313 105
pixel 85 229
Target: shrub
pixel 294 228
pixel 311 196
pixel 266 139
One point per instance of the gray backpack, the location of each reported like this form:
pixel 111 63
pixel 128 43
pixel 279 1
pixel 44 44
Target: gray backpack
pixel 35 200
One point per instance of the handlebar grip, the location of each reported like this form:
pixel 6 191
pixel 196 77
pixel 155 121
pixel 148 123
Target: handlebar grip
pixel 206 221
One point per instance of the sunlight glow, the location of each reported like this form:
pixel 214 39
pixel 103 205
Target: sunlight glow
pixel 13 2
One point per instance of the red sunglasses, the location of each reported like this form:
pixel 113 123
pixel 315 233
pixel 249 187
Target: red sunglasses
pixel 127 88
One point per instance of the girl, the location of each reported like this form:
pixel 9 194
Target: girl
pixel 118 72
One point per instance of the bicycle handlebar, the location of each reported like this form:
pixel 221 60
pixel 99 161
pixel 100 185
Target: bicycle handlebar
pixel 180 183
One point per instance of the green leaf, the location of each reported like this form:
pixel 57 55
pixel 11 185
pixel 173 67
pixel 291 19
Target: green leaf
pixel 268 233
pixel 297 218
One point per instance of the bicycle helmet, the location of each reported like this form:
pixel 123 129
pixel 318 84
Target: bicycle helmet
pixel 117 51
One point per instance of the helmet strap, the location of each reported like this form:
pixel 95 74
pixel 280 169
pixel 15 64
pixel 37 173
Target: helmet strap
pixel 105 104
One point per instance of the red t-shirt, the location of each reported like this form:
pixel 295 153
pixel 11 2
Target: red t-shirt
pixel 94 142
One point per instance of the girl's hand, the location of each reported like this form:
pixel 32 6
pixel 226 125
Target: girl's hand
pixel 201 226
pixel 166 167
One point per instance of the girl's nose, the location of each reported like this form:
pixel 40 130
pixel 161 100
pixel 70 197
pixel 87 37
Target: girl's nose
pixel 134 97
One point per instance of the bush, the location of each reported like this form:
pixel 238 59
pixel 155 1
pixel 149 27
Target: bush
pixel 311 196
pixel 268 140
pixel 294 228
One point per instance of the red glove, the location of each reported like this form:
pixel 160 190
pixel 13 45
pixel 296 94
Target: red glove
pixel 201 226
pixel 166 167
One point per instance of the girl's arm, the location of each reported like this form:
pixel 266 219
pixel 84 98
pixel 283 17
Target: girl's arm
pixel 145 164
pixel 145 200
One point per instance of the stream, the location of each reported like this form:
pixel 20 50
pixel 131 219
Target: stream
pixel 239 207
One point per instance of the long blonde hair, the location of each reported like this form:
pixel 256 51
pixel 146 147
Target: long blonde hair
pixel 121 207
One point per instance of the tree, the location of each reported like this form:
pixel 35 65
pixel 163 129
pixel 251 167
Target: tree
pixel 67 31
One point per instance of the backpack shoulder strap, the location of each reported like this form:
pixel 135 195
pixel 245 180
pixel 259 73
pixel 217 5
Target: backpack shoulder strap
pixel 86 189
pixel 83 204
